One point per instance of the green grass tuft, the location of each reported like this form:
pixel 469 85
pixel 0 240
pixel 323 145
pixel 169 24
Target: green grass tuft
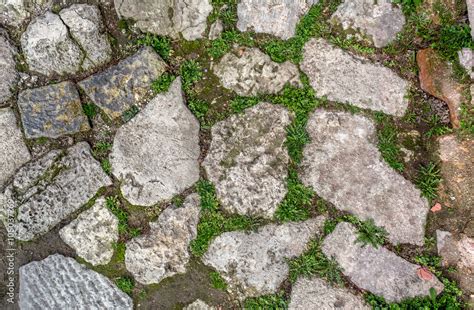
pixel 295 205
pixel 90 109
pixel 274 302
pixel 371 234
pixel 130 113
pixel 161 45
pixel 119 255
pixel 239 104
pixel 388 142
pixel 428 180
pixel 191 72
pixel 106 166
pixel 126 284
pixel 217 281
pixel 162 83
pixel 219 47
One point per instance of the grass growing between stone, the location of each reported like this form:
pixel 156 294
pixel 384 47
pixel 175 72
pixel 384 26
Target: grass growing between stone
pixel 387 141
pixel 275 301
pixel 217 281
pixel 113 204
pixel 162 83
pixel 126 284
pixel 428 180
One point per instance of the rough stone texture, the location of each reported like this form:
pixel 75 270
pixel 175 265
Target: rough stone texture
pixel 343 165
pixel 277 17
pixel 248 160
pixel 430 8
pixel 52 111
pixel 7 67
pixel 466 59
pixel 198 305
pixel 215 30
pixel 93 233
pixel 252 72
pixel 47 47
pixel 13 12
pixel 58 282
pixel 155 155
pixel 376 270
pixel 13 151
pixel 163 252
pixel 380 20
pixel 168 17
pixel 119 87
pixel 346 78
pixel 85 26
pixel 470 12
pixel 255 263
pixel 47 190
pixel 436 78
pixel 316 293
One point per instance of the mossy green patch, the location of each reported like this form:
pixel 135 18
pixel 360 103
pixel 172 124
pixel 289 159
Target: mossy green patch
pixel 275 302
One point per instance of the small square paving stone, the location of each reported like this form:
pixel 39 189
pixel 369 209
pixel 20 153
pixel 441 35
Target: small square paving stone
pixel 52 111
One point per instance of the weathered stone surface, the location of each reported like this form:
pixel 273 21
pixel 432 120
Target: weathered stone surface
pixel 255 263
pixel 47 190
pixel 343 165
pixel 47 47
pixel 13 12
pixel 85 26
pixel 436 78
pixel 155 155
pixel 7 67
pixel 316 293
pixel 163 252
pixel 119 87
pixel 169 18
pixel 277 17
pixel 93 233
pixel 58 282
pixel 52 111
pixel 379 21
pixel 198 305
pixel 466 59
pixel 248 161
pixel 376 270
pixel 215 30
pixel 13 151
pixel 434 9
pixel 470 12
pixel 252 72
pixel 346 78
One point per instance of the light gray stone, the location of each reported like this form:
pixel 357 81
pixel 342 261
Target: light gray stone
pixel 255 263
pixel 49 189
pixel 470 12
pixel 315 293
pixel 59 282
pixel 380 21
pixel 13 150
pixel 13 12
pixel 164 251
pixel 343 165
pixel 198 305
pixel 350 79
pixel 52 111
pixel 377 269
pixel 276 17
pixel 7 67
pixel 248 160
pixel 155 155
pixel 252 73
pixel 215 30
pixel 85 26
pixel 93 233
pixel 168 17
pixel 47 47
pixel 466 59
pixel 121 86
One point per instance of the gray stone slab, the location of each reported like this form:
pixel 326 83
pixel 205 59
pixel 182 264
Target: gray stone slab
pixel 7 67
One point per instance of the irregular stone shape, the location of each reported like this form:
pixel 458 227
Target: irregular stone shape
pixel 248 160
pixel 93 233
pixel 13 150
pixel 346 78
pixel 52 111
pixel 316 293
pixel 277 17
pixel 215 30
pixel 13 12
pixel 380 20
pixel 198 305
pixel 376 270
pixel 58 282
pixel 85 25
pixel 470 12
pixel 155 155
pixel 169 17
pixel 255 263
pixel 7 67
pixel 49 189
pixel 120 87
pixel 343 165
pixel 252 73
pixel 466 59
pixel 436 78
pixel 47 47
pixel 163 252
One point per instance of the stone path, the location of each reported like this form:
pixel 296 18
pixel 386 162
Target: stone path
pixel 7 67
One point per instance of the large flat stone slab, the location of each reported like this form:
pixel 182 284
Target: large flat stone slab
pixel 164 251
pixel 49 189
pixel 248 160
pixel 343 165
pixel 155 155
pixel 255 263
pixel 59 282
pixel 377 270
pixel 252 73
pixel 346 78
pixel 7 67
pixel 52 111
pixel 121 86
